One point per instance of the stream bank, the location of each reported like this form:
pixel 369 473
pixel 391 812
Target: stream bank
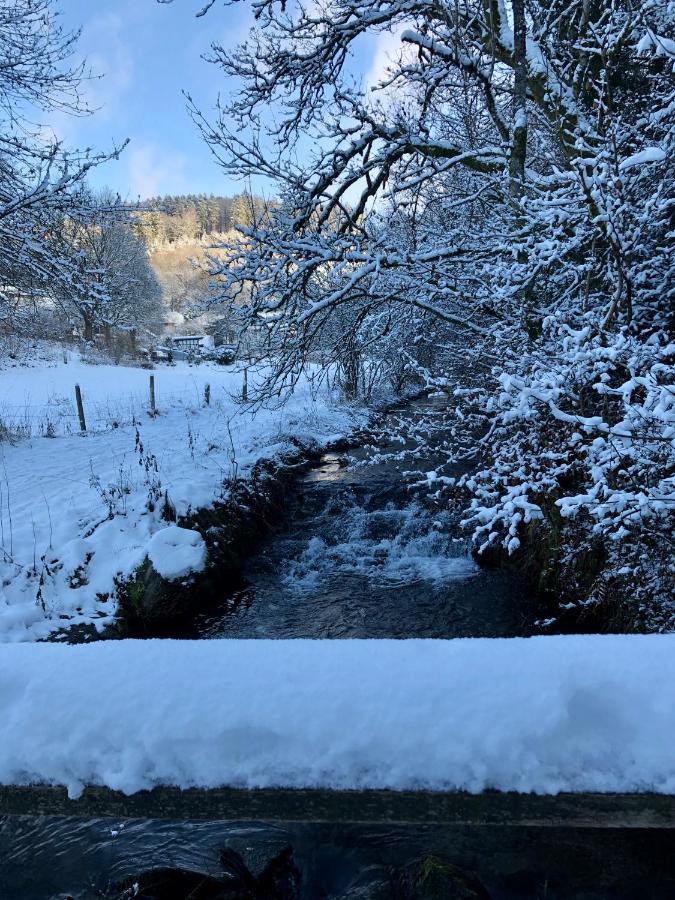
pixel 152 606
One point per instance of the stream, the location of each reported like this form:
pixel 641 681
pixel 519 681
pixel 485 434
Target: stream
pixel 57 858
pixel 364 553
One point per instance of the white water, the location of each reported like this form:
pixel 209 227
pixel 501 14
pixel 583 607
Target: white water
pixel 392 546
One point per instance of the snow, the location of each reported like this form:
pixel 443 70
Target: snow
pixel 176 552
pixel 663 46
pixel 78 512
pixel 649 155
pixel 546 714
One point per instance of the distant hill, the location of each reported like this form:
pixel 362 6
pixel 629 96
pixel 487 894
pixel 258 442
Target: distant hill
pixel 179 232
pixel 192 218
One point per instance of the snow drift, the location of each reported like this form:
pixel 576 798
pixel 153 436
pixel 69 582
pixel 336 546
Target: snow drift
pixel 543 714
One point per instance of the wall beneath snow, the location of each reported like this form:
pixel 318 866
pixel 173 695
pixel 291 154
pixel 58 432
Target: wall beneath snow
pixel 544 714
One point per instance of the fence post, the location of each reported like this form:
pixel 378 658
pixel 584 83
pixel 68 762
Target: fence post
pixel 80 408
pixel 244 388
pixel 207 394
pixel 153 408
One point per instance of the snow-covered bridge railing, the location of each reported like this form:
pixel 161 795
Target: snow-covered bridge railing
pixel 585 715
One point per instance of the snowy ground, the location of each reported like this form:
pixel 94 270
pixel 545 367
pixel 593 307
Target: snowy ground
pixel 74 510
pixel 549 714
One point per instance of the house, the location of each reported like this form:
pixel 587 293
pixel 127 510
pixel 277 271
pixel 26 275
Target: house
pixel 224 333
pixel 191 343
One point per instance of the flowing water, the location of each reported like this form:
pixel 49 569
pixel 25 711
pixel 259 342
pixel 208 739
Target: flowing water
pixel 364 551
pixel 56 858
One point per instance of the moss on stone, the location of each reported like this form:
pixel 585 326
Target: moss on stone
pixel 435 879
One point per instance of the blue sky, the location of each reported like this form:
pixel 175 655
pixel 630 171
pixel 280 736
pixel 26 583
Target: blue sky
pixel 148 53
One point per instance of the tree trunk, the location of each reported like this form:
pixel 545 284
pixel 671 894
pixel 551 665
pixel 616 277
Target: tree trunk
pixel 349 371
pixel 519 134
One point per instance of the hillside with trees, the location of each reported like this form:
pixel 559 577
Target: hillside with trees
pixel 193 218
pixel 183 234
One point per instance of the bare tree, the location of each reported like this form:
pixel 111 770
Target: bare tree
pixel 520 96
pixel 504 197
pixel 39 178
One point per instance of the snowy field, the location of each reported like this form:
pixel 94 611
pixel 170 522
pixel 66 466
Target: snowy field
pixel 548 714
pixel 76 512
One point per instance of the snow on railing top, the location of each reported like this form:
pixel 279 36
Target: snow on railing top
pixel 547 714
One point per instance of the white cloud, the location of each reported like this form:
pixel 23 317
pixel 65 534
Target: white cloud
pixel 109 60
pixel 109 56
pixel 388 47
pixel 153 170
pixel 55 129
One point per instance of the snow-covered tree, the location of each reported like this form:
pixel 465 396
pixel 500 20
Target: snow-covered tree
pixel 507 185
pixel 113 283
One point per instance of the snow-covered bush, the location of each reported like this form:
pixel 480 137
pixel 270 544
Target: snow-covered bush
pixel 583 459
